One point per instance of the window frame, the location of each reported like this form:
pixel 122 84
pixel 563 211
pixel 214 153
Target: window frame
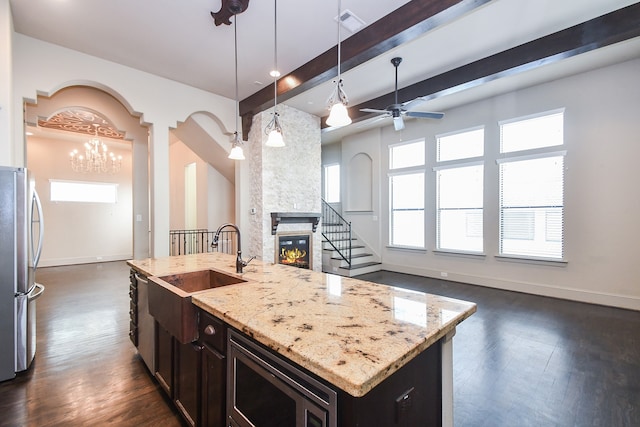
pixel 408 170
pixel 326 182
pixel 533 153
pixel 457 163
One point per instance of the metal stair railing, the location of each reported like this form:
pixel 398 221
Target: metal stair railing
pixel 337 231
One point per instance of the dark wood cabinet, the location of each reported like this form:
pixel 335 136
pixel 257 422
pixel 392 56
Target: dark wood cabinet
pixel 194 374
pixel 213 338
pixel 214 369
pixel 164 359
pixel 188 374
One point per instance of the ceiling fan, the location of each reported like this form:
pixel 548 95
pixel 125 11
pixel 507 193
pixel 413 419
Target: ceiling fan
pixel 397 111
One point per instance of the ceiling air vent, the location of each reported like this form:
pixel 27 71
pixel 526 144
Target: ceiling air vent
pixel 350 21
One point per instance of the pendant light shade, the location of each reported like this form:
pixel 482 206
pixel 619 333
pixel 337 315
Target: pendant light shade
pixel 273 129
pixel 338 115
pixel 337 103
pixel 275 135
pixel 236 149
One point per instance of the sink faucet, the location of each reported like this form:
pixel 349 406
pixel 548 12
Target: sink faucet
pixel 240 263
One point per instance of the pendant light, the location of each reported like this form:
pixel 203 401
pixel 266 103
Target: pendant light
pixel 273 129
pixel 236 147
pixel 338 115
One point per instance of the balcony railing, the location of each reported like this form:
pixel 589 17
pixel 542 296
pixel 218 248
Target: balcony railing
pixel 185 242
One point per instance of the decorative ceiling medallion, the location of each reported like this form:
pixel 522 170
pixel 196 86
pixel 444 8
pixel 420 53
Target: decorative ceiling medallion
pixel 81 121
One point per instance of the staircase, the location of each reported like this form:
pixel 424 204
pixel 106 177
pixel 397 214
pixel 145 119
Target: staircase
pixel 342 252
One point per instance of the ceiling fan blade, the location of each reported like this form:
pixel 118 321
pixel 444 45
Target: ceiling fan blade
pixel 373 110
pixel 398 123
pixel 410 105
pixel 424 115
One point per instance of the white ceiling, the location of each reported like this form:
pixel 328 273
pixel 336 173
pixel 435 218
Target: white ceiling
pixel 177 39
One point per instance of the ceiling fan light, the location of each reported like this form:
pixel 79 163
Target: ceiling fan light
pixel 398 123
pixel 275 139
pixel 339 115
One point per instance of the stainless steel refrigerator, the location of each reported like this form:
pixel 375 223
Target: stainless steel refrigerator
pixel 21 234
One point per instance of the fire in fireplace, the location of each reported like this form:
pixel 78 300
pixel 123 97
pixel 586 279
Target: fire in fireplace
pixel 294 250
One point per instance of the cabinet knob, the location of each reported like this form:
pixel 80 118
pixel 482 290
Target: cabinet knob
pixel 210 330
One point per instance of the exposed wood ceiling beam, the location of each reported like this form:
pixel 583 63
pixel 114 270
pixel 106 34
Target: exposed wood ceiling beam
pixel 614 27
pixel 404 24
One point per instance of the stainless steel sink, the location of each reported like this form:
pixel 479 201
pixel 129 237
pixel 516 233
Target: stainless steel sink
pixel 170 299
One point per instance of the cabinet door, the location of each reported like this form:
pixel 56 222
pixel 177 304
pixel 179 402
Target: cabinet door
pixel 187 386
pixel 213 388
pixel 164 359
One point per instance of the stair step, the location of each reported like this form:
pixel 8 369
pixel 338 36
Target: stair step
pixel 341 240
pixel 330 248
pixel 357 266
pixel 354 256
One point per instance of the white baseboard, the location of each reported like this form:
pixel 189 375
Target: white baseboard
pixel 572 294
pixel 55 262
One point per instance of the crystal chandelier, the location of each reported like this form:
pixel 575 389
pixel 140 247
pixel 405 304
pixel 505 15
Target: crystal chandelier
pixel 97 157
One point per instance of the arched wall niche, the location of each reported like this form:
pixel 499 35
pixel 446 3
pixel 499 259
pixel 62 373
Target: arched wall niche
pixel 360 183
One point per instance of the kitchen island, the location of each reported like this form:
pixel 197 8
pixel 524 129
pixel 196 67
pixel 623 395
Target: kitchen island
pixel 351 334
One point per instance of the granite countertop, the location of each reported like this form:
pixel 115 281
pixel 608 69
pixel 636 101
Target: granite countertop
pixel 350 332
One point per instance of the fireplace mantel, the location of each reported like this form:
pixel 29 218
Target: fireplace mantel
pixel 294 217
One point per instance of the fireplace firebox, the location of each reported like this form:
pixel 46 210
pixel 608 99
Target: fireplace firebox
pixel 294 250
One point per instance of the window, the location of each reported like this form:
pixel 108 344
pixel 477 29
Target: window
pixel 533 132
pixel 532 187
pixel 461 145
pixel 332 183
pixel 407 210
pixel 406 155
pixel 87 192
pixel 406 194
pixel 460 187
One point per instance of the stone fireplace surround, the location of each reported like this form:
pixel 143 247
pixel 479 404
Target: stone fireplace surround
pixel 284 180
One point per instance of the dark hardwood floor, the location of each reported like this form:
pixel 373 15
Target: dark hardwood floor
pixel 524 360
pixel 521 360
pixel 86 371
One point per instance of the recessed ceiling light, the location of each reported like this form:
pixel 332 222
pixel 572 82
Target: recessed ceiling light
pixel 274 73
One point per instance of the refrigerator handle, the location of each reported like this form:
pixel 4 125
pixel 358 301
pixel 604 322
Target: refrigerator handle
pixel 38 290
pixel 36 200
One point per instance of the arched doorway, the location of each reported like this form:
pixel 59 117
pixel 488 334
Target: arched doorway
pixel 89 231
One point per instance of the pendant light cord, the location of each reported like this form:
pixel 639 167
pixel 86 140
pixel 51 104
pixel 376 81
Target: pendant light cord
pixel 339 11
pixel 235 37
pixel 275 55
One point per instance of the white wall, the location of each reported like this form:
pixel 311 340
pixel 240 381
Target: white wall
pixel 77 233
pixel 215 194
pixel 161 103
pixel 7 157
pixel 602 201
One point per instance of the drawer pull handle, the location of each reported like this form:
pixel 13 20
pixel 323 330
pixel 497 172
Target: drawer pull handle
pixel 210 330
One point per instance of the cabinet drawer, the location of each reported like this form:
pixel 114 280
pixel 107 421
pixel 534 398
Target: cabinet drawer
pixel 133 312
pixel 133 293
pixel 133 333
pixel 212 331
